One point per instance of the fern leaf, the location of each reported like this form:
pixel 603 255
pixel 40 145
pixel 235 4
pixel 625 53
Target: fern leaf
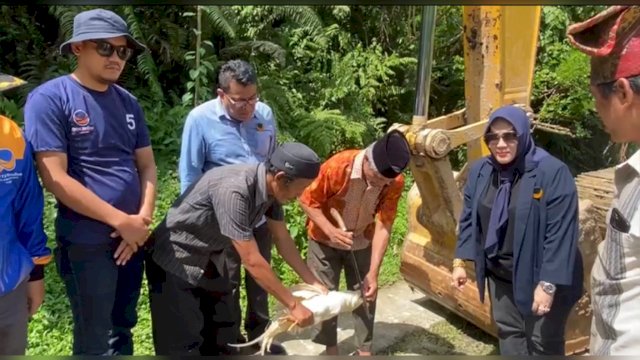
pixel 303 16
pixel 145 61
pixel 219 21
pixel 248 48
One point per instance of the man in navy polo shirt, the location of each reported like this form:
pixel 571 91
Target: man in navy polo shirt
pixel 93 153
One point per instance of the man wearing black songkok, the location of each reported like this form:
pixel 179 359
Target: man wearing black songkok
pixel 364 186
pixel 189 287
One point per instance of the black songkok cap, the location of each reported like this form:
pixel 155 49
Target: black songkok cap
pixel 390 155
pixel 296 160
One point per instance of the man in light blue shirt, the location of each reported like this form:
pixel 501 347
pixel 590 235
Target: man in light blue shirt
pixel 233 128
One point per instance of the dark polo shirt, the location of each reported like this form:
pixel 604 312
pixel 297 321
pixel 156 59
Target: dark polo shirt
pixel 225 203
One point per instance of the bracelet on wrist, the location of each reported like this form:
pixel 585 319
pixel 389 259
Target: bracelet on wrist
pixel 458 263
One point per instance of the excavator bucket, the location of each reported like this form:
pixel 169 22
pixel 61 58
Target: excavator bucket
pixel 500 45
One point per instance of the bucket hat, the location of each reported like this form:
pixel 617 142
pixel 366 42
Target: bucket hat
pixel 99 24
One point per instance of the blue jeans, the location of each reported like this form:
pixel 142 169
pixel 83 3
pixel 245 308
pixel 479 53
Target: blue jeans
pixel 103 297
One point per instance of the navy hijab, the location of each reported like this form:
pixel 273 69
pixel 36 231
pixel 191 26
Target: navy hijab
pixel 526 156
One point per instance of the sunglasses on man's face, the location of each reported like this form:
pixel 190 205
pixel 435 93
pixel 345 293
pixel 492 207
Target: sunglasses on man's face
pixel 106 49
pixel 508 137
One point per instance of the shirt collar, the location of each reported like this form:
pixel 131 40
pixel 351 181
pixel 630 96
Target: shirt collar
pixel 632 162
pixel 357 168
pixel 358 162
pixel 626 171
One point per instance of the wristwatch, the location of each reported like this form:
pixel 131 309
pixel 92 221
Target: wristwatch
pixel 548 288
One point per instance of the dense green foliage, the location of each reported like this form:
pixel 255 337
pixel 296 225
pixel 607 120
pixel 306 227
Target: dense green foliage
pixel 335 76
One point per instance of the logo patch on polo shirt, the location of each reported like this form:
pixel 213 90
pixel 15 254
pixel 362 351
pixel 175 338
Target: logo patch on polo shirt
pixel 8 165
pixel 82 120
pixel 12 147
pixel 7 160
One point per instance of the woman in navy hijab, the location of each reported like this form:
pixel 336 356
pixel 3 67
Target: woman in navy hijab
pixel 519 225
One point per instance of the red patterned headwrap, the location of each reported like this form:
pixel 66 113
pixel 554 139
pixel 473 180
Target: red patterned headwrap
pixel 612 39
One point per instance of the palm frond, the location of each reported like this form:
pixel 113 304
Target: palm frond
pixel 219 21
pixel 65 15
pixel 145 61
pixel 303 16
pixel 250 48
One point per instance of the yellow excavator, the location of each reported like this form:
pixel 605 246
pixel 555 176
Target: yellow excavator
pixel 500 44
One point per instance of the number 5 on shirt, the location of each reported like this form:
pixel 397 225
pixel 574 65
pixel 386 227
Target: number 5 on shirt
pixel 131 123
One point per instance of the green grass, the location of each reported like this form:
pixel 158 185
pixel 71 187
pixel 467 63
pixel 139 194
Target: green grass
pixel 50 331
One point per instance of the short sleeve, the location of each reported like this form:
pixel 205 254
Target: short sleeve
pixel 333 175
pixel 192 152
pixel 142 134
pixel 232 210
pixel 45 123
pixel 271 118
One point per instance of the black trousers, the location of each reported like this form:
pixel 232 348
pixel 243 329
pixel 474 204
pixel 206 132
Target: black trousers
pixel 527 335
pixel 257 311
pixel 327 264
pixel 103 296
pixel 188 319
pixel 14 320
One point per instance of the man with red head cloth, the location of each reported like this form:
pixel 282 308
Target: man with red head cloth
pixel 612 39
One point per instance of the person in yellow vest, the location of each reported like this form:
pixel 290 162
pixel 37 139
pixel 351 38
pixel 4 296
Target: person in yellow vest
pixel 612 40
pixel 23 243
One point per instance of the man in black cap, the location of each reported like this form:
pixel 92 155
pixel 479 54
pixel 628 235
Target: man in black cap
pixel 364 186
pixel 94 154
pixel 189 285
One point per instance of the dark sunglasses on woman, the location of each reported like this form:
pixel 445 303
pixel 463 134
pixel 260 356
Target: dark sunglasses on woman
pixel 508 136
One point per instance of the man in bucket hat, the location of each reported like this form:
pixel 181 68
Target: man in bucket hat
pixel 24 243
pixel 612 39
pixel 94 154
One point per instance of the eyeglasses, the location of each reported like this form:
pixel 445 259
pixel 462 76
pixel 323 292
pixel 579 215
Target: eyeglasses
pixel 242 102
pixel 508 137
pixel 106 49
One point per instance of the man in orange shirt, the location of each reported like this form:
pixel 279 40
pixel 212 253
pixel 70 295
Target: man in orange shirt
pixel 364 186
